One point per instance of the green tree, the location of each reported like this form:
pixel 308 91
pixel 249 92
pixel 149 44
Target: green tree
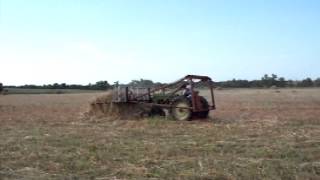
pixel 317 82
pixel 141 83
pixel 268 81
pixel 281 82
pixel 306 83
pixel 55 86
pixel 63 86
pixel 102 85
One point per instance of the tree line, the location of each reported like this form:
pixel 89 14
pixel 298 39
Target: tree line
pixel 266 81
pixel 100 85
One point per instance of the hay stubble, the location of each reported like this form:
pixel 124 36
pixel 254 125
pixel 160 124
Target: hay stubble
pixel 254 134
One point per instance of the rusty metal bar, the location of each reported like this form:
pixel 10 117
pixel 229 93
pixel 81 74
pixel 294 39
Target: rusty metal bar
pixel 212 96
pixel 159 105
pixel 149 104
pixel 149 94
pixel 163 87
pixel 193 97
pixel 127 94
pixel 203 78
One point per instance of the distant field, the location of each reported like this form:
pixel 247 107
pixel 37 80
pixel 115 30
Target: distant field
pixel 253 134
pixel 46 91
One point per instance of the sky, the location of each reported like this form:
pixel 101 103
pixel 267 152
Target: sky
pixel 84 41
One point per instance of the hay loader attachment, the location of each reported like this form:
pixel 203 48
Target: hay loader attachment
pixel 180 99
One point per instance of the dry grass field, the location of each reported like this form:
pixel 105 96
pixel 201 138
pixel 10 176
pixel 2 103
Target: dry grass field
pixel 253 134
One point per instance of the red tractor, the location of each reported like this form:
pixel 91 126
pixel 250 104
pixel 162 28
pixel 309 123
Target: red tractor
pixel 181 99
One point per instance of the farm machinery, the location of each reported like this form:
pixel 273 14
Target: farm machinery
pixel 180 99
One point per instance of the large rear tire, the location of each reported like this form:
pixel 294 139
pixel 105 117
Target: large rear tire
pixel 181 114
pixel 204 105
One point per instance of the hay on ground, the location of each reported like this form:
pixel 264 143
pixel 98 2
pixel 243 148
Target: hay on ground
pixel 102 106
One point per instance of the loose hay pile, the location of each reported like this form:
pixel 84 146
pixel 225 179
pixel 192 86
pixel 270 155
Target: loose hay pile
pixel 102 106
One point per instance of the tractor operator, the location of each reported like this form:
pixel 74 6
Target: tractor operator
pixel 187 91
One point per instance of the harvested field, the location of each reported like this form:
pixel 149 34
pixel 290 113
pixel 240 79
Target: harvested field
pixel 254 134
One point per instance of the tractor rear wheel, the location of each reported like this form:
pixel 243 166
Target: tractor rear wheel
pixel 204 105
pixel 180 109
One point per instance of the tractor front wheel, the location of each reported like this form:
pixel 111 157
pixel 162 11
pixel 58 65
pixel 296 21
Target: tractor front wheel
pixel 180 109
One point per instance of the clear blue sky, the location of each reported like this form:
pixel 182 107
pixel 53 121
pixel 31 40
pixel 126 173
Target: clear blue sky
pixel 82 41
